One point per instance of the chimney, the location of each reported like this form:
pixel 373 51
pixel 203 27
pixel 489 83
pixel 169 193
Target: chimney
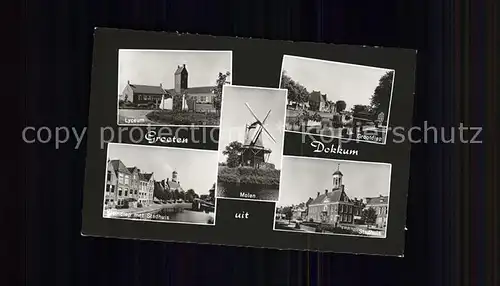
pixel 326 192
pixel 161 86
pixel 318 194
pixel 184 65
pixel 128 81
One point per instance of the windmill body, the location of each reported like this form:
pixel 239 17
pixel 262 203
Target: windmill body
pixel 254 154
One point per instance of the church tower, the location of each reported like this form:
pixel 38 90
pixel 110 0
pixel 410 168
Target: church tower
pixel 181 78
pixel 337 178
pixel 174 176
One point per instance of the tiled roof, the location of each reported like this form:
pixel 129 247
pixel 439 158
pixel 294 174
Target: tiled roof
pixel 381 200
pixel 173 185
pixel 132 169
pixel 118 166
pixel 333 196
pixel 146 176
pixel 147 89
pixel 193 90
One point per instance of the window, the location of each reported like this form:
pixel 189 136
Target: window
pixel 119 192
pixel 203 98
pixel 136 192
pixel 109 175
pixel 112 189
pixel 120 178
pixel 126 180
pixel 126 193
pixel 106 201
pixel 107 188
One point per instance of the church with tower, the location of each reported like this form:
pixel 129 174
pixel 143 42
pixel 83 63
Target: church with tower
pixel 159 97
pixel 334 206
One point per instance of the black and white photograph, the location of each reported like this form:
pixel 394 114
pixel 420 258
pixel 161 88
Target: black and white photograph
pixel 334 197
pixel 160 184
pixel 336 99
pixel 251 143
pixel 172 87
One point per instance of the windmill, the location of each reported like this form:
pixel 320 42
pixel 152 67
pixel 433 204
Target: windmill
pixel 254 153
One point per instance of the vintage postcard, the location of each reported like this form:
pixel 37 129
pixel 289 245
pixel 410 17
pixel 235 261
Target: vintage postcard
pixel 248 142
pixel 251 143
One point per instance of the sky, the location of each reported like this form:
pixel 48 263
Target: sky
pixel 155 66
pixel 196 169
pixel 353 84
pixel 235 115
pixel 302 178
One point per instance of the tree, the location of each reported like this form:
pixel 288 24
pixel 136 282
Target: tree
pixel 381 97
pixel 296 91
pixel 359 108
pixel 176 194
pixel 369 215
pixel 233 153
pixel 222 80
pixel 340 106
pixel 190 195
pixel 287 211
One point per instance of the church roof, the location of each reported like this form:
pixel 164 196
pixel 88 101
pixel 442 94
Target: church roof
pixel 147 89
pixel 193 90
pixel 180 69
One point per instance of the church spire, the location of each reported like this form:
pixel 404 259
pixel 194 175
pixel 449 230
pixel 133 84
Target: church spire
pixel 337 178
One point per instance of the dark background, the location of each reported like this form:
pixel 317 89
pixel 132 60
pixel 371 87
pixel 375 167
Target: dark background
pixel 450 186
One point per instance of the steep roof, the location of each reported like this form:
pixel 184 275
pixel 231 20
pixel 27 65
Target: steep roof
pixel 381 200
pixel 180 69
pixel 147 89
pixel 145 176
pixel 118 166
pixel 132 169
pixel 333 196
pixel 173 185
pixel 317 96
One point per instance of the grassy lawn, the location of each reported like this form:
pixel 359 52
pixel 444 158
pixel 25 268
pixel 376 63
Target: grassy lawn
pixel 183 117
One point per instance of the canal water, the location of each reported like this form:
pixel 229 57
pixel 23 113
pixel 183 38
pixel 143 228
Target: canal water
pixel 256 191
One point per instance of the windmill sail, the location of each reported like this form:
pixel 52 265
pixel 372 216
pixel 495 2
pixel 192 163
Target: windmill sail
pixel 254 131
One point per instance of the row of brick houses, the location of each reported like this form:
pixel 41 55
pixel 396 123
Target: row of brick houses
pixel 127 184
pixel 335 206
